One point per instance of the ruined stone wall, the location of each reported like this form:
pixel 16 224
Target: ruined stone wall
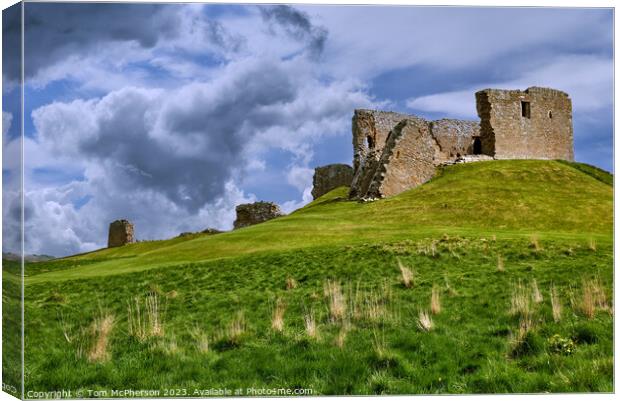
pixel 249 214
pixel 332 176
pixel 391 155
pixel 455 137
pixel 531 124
pixel 370 131
pixel 372 136
pixel 408 159
pixel 120 233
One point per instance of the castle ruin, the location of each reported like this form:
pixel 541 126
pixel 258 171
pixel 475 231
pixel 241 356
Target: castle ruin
pixel 330 177
pixel 249 214
pixel 536 123
pixel 395 152
pixel 120 233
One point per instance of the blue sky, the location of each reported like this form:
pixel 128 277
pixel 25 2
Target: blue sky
pixel 170 115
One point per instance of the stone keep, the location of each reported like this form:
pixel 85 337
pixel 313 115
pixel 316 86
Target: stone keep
pixel 535 123
pixel 332 176
pixel 120 233
pixel 249 214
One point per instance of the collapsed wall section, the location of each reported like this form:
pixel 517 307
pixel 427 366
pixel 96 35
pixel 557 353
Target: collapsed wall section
pixel 409 159
pixel 379 140
pixel 370 131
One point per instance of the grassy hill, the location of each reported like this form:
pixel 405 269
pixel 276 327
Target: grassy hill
pixel 512 261
pixel 506 198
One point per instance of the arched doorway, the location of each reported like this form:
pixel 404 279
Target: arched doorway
pixel 477 146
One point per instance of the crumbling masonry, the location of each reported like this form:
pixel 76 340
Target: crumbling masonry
pixel 120 233
pixel 249 214
pixel 395 152
pixel 330 177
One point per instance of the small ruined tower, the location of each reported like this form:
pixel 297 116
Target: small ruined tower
pixel 249 214
pixel 120 233
pixel 330 177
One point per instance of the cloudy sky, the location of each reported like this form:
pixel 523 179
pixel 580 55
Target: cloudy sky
pixel 170 115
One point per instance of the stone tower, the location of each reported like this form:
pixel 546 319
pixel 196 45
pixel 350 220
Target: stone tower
pixel 120 233
pixel 536 123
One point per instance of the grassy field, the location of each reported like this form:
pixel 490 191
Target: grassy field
pixel 494 277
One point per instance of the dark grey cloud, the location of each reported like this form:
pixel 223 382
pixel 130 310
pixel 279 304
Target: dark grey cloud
pixel 297 25
pixel 11 43
pixel 182 144
pixel 173 160
pixel 54 31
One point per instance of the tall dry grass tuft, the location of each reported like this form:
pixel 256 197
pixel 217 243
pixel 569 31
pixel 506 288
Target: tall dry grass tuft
pixel 451 291
pixel 433 248
pixel 435 300
pixel 342 334
pixel 336 300
pixel 593 297
pixel 599 294
pixel 536 295
pixel 236 328
pixel 277 319
pixel 356 302
pixel 379 345
pixel 372 305
pixel 520 301
pixel 587 304
pixel 386 290
pixel 310 325
pixel 145 318
pixel 169 345
pixel 425 322
pixel 406 275
pixel 375 308
pixel 64 327
pixel 525 326
pixel 556 304
pixel 154 312
pixel 592 244
pixel 291 283
pixel 500 263
pixel 100 331
pixel 535 243
pixel 201 339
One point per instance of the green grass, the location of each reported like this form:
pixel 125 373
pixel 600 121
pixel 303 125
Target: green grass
pixel 450 231
pixel 505 198
pixel 598 173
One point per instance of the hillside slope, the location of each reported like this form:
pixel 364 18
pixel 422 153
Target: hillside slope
pixel 503 198
pixel 494 277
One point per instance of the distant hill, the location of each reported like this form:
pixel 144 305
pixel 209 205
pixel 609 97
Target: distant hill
pixel 28 258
